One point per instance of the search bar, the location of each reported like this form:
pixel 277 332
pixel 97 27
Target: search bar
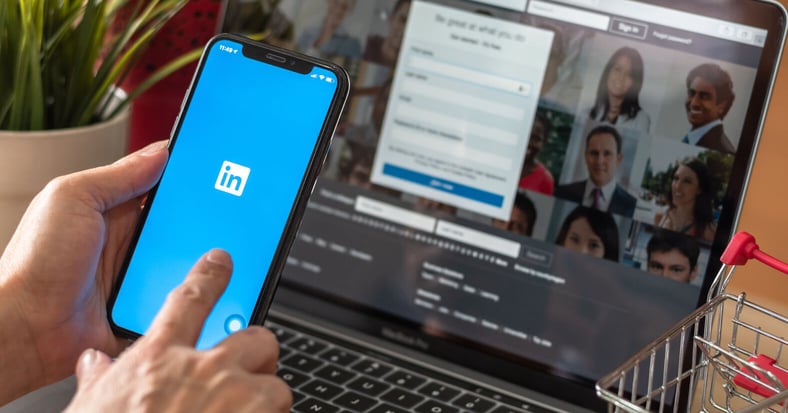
pixel 395 214
pixel 478 239
pixel 569 15
pixel 582 3
pixel 517 5
pixel 470 75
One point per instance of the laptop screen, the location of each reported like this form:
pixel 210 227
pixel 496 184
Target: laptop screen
pixel 545 184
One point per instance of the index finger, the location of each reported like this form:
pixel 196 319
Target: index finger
pixel 181 319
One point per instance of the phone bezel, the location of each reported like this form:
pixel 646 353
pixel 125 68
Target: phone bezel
pixel 289 60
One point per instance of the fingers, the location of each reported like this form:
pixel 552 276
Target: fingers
pixel 276 394
pixel 247 393
pixel 128 178
pixel 181 319
pixel 90 366
pixel 255 349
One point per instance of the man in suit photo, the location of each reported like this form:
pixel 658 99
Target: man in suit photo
pixel 601 191
pixel 709 98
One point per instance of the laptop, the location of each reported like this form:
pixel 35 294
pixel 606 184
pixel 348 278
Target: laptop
pixel 521 193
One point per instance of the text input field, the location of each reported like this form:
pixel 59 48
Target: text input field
pixel 478 239
pixel 569 15
pixel 457 150
pixel 470 75
pixel 459 125
pixel 465 100
pixel 394 214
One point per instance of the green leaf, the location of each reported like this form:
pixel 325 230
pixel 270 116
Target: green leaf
pixel 156 18
pixel 158 75
pixel 60 58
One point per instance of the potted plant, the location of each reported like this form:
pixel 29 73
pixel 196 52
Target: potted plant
pixel 61 109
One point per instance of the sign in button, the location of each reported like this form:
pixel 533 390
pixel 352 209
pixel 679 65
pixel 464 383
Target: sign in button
pixel 628 28
pixel 444 185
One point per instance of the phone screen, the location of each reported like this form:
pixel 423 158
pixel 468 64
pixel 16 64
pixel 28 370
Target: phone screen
pixel 238 159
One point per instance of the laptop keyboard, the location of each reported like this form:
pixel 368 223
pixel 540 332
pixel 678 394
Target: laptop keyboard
pixel 330 377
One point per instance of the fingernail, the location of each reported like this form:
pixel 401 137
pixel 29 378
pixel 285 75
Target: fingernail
pixel 87 360
pixel 219 257
pixel 154 148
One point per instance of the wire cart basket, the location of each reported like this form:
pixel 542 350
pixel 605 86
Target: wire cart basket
pixel 736 364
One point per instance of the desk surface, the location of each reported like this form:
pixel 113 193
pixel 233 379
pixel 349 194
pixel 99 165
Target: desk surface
pixel 765 213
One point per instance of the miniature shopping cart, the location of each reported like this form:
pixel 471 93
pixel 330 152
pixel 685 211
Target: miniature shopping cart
pixel 729 355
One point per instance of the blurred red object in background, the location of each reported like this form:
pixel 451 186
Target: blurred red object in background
pixel 154 112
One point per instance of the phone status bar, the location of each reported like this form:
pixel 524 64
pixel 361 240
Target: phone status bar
pixel 325 78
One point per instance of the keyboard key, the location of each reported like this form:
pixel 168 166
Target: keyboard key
pixel 311 405
pixel 340 357
pixel 473 403
pixel 297 397
pixel 372 368
pixel 500 398
pixel 431 406
pixel 439 391
pixel 336 375
pixel 307 345
pixel 284 353
pixel 367 386
pixel 402 398
pixel 282 335
pixel 292 377
pixel 533 408
pixel 405 379
pixel 387 408
pixel 506 409
pixel 321 389
pixel 516 405
pixel 302 363
pixel 355 401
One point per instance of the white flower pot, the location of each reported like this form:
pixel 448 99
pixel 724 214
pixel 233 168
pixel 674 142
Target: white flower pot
pixel 28 160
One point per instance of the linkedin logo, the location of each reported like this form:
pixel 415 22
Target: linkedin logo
pixel 232 178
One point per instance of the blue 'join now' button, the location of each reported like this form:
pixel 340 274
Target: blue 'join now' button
pixel 444 185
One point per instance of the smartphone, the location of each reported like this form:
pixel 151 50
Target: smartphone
pixel 245 152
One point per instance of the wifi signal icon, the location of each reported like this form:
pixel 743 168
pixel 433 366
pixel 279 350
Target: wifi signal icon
pixel 322 77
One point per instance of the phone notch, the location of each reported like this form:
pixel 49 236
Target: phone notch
pixel 276 58
pixel 271 57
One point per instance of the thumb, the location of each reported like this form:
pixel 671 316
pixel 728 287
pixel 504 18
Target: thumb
pixel 90 367
pixel 127 178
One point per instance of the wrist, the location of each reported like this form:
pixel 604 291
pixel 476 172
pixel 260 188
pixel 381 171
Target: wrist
pixel 20 366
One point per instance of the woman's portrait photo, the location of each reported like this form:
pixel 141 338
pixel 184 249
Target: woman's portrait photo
pixel 683 194
pixel 591 232
pixel 618 92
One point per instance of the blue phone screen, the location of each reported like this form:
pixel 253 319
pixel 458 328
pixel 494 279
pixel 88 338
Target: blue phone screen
pixel 236 166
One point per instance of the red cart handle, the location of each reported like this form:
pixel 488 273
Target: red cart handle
pixel 743 247
pixel 767 364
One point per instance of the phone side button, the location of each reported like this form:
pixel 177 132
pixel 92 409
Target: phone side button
pixel 174 128
pixel 185 98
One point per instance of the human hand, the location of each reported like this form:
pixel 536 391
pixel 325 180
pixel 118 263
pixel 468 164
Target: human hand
pixel 58 269
pixel 163 372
